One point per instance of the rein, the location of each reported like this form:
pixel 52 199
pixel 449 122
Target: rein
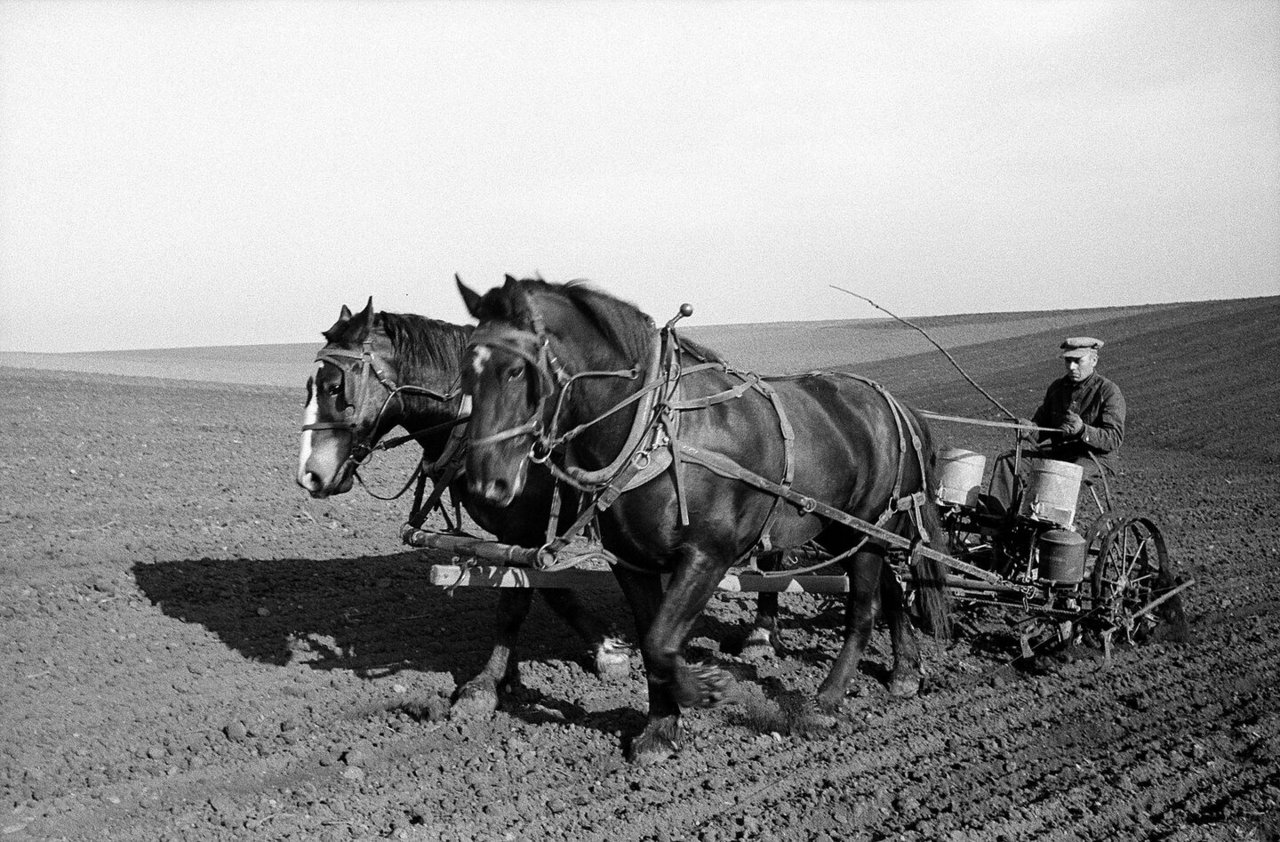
pixel 534 347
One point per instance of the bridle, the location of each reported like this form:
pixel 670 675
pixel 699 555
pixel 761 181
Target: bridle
pixel 533 345
pixel 360 364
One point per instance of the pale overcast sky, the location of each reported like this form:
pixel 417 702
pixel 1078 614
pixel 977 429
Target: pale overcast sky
pixel 217 173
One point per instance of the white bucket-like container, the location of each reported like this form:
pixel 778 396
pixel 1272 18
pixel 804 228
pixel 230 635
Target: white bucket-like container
pixel 1053 489
pixel 960 476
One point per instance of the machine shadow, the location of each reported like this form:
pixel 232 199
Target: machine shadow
pixel 373 615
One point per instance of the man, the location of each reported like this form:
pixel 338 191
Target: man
pixel 1086 412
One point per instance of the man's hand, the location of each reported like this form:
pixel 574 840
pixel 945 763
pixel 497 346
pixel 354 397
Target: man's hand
pixel 1027 435
pixel 1071 426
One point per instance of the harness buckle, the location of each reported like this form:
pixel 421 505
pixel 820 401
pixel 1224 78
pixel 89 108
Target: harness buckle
pixel 539 453
pixel 907 503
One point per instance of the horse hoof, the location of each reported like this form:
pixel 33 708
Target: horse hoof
pixel 813 718
pixel 904 686
pixel 476 700
pixel 613 662
pixel 828 704
pixel 759 647
pixel 659 741
pixel 703 687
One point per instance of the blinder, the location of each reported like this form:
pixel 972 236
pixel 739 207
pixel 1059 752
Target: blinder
pixel 343 399
pixel 364 361
pixel 533 348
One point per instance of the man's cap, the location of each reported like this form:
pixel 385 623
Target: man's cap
pixel 1078 346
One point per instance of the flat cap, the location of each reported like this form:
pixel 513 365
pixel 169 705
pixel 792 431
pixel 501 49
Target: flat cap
pixel 1074 346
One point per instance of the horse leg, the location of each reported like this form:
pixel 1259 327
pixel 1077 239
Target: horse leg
pixel 661 736
pixel 761 642
pixel 905 680
pixel 664 623
pixel 478 698
pixel 611 657
pixel 860 613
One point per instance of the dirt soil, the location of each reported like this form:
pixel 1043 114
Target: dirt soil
pixel 193 649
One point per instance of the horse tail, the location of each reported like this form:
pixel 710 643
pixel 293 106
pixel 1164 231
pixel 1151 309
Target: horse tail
pixel 935 603
pixel 930 574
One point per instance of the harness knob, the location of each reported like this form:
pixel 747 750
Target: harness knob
pixel 686 310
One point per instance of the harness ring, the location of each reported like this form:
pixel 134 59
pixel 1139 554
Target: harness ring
pixel 539 453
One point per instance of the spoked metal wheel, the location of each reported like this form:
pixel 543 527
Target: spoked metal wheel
pixel 1136 596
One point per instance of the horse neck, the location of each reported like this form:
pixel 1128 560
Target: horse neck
pixel 418 413
pixel 593 397
pixel 426 422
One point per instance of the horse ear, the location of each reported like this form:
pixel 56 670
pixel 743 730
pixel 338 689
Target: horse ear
pixel 520 303
pixel 470 297
pixel 335 330
pixel 508 282
pixel 365 316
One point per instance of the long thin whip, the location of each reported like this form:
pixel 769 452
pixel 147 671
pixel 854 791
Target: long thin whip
pixel 950 358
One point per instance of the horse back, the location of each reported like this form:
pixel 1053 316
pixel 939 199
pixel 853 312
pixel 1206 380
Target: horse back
pixel 849 446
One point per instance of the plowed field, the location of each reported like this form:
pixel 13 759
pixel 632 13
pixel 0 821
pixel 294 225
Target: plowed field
pixel 193 649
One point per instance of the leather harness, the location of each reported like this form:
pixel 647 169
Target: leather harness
pixel 654 445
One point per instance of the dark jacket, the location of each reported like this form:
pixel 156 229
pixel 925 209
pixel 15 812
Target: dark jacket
pixel 1100 406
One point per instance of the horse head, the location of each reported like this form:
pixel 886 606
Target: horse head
pixel 369 378
pixel 535 339
pixel 341 414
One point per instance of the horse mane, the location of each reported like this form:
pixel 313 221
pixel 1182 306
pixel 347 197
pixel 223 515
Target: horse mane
pixel 625 326
pixel 420 343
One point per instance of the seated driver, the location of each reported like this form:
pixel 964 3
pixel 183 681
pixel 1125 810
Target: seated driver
pixel 1087 413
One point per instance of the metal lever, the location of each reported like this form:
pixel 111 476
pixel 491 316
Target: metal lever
pixel 686 310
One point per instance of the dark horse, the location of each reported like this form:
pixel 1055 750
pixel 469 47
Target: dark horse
pixel 550 371
pixel 379 371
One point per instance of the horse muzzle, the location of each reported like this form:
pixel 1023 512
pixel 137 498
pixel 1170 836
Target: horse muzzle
pixel 316 486
pixel 496 492
pixel 496 475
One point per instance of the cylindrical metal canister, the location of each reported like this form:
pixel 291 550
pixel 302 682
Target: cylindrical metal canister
pixel 1052 491
pixel 1061 556
pixel 960 476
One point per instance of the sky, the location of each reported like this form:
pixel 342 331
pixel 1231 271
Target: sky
pixel 178 174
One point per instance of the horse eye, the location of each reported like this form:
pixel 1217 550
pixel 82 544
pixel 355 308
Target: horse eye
pixel 515 372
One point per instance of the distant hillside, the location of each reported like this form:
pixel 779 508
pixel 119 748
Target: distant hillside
pixel 1200 377
pixel 785 347
pixel 269 365
pixel 768 348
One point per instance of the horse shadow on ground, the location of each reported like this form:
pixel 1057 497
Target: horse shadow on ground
pixel 377 616
pixel 372 615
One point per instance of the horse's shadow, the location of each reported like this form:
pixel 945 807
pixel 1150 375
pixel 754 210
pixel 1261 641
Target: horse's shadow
pixel 372 615
pixel 379 615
